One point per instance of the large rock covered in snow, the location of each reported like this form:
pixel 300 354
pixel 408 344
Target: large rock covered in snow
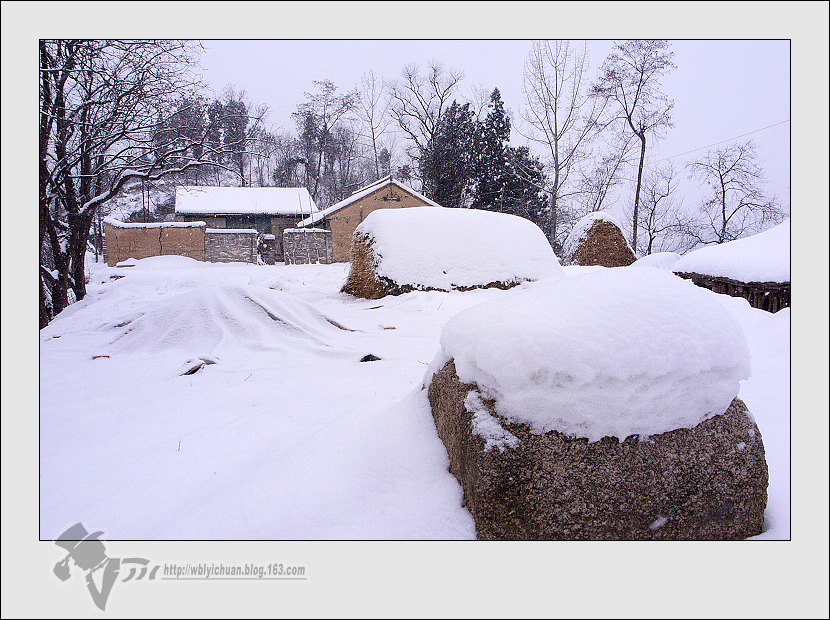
pixel 597 239
pixel 601 407
pixel 395 251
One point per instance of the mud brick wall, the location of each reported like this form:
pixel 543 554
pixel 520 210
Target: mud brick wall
pixel 301 246
pixel 342 223
pixel 229 245
pixel 139 241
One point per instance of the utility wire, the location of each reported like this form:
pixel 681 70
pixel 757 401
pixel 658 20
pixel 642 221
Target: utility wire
pixel 721 142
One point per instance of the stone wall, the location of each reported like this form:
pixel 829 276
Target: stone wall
pixel 139 241
pixel 306 245
pixel 231 245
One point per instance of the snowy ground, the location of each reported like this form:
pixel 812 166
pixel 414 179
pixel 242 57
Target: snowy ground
pixel 288 435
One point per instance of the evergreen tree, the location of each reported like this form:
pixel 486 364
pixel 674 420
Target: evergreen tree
pixel 507 179
pixel 235 132
pixel 448 163
pixel 492 166
pixel 524 189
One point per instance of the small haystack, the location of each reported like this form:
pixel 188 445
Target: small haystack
pixel 395 251
pixel 597 239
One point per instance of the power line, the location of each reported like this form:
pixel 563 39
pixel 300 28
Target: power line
pixel 721 142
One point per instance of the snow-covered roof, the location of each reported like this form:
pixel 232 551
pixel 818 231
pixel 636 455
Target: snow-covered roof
pixel 764 257
pixel 244 201
pixel 304 230
pixel 362 193
pixel 234 231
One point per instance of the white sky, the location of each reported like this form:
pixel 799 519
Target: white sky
pixel 722 88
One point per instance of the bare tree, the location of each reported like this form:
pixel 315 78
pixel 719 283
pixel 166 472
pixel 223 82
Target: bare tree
pixel 105 108
pixel 736 205
pixel 320 113
pixel 418 102
pixel 663 223
pixel 373 112
pixel 560 112
pixel 597 184
pixel 630 78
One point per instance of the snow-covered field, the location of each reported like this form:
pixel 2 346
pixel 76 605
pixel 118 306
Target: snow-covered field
pixel 288 435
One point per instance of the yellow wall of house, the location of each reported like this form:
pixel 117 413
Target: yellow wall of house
pixel 343 222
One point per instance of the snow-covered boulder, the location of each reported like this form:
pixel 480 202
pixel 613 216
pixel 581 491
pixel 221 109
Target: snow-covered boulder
pixel 428 248
pixel 601 407
pixel 597 239
pixel 756 268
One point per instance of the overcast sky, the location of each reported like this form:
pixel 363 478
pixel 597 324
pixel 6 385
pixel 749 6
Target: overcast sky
pixel 722 89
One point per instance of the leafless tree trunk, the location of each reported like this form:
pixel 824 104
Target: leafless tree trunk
pixel 630 78
pixel 663 222
pixel 561 114
pixel 326 108
pixel 736 205
pixel 418 101
pixel 373 112
pixel 103 104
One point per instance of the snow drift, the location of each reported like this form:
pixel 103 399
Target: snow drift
pixel 610 353
pixel 221 318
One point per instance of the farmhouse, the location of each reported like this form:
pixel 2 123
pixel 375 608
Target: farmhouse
pixel 343 217
pixel 269 210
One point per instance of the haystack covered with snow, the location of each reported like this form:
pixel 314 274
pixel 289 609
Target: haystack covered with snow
pixel 583 408
pixel 597 239
pixel 756 268
pixel 432 248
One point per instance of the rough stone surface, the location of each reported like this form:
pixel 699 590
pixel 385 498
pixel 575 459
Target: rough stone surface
pixel 223 246
pixel 604 245
pixel 705 483
pixel 769 296
pixel 308 246
pixel 364 281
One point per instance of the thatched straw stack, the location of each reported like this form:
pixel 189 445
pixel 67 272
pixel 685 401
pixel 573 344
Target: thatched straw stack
pixel 395 251
pixel 364 281
pixel 597 239
pixel 704 483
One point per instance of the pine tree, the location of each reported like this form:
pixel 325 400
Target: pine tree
pixel 492 166
pixel 448 163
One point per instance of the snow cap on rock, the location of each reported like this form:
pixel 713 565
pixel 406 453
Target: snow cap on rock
pixel 610 353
